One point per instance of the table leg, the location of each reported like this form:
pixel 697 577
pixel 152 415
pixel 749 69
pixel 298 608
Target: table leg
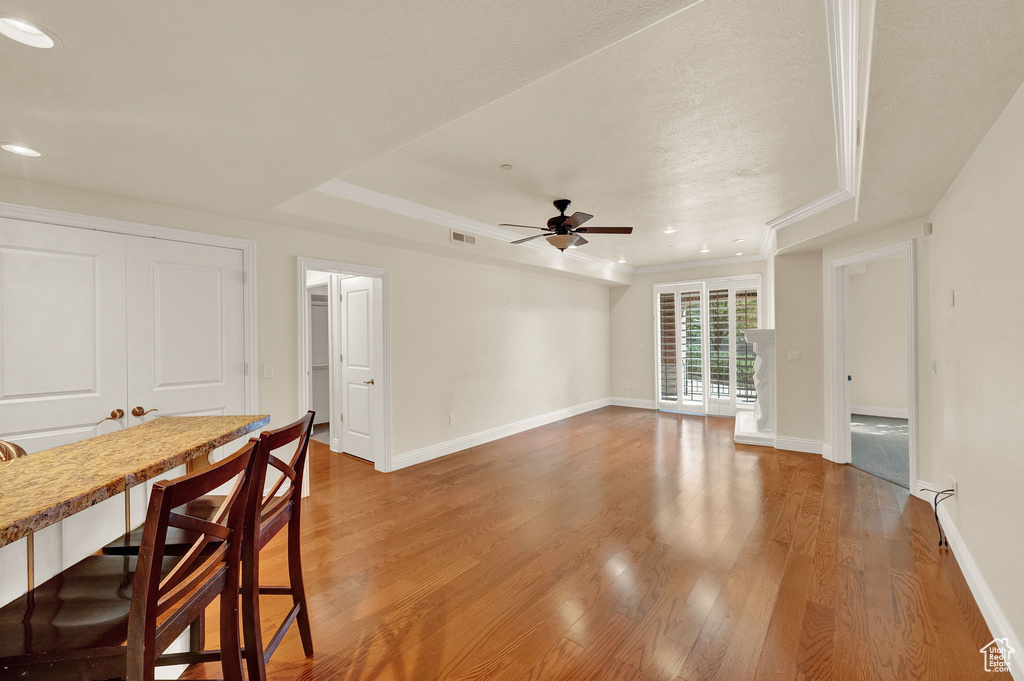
pixel 30 553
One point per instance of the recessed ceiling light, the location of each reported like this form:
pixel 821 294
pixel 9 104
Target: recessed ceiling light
pixel 20 150
pixel 506 166
pixel 621 260
pixel 705 250
pixel 669 230
pixel 739 254
pixel 27 33
pixel 738 241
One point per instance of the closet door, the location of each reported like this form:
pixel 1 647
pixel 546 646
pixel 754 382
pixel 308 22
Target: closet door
pixel 62 333
pixel 186 344
pixel 62 368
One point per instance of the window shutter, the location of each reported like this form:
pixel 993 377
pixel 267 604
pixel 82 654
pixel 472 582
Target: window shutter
pixel 746 318
pixel 667 375
pixel 718 330
pixel 693 376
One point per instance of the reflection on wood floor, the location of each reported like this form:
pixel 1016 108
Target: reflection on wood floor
pixel 623 544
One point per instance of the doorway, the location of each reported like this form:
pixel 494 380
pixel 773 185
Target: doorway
pixel 874 354
pixel 344 370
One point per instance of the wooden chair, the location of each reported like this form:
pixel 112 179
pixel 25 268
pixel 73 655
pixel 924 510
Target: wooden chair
pixel 111 617
pixel 281 507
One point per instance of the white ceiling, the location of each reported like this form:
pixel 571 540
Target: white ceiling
pixel 705 122
pixel 712 116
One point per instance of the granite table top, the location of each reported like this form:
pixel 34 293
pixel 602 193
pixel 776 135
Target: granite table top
pixel 41 489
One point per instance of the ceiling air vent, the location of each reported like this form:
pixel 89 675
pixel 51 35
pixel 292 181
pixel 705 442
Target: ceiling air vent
pixel 463 238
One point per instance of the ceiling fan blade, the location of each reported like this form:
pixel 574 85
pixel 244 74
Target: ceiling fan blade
pixel 577 218
pixel 607 230
pixel 530 238
pixel 580 241
pixel 506 224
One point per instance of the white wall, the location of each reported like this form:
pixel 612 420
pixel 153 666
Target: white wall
pixel 798 322
pixel 632 323
pixel 489 344
pixel 978 386
pixel 878 333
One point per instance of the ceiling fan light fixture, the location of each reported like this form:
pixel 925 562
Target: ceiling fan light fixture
pixel 562 241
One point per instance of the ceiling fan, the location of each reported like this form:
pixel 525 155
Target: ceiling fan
pixel 563 231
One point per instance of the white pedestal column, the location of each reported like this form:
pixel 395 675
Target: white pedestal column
pixel 758 427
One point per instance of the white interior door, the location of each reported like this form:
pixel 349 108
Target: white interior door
pixel 361 360
pixel 62 336
pixel 62 369
pixel 186 339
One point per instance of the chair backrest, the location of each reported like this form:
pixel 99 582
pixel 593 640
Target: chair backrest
pixel 10 451
pixel 163 606
pixel 287 489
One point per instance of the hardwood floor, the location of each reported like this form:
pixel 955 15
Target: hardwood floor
pixel 626 545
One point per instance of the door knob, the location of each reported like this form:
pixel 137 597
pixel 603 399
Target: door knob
pixel 140 411
pixel 115 415
pixel 370 382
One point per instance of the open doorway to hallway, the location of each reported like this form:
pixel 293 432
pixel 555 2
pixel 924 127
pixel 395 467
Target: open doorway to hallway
pixel 875 390
pixel 343 358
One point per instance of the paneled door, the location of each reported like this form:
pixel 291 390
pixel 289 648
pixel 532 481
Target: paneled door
pixel 62 333
pixel 62 363
pixel 186 338
pixel 361 396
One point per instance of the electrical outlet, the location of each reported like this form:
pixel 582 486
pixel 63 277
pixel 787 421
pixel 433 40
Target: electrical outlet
pixel 955 486
pixel 451 420
pixel 268 371
pixel 583 390
pixel 793 356
pixel 627 386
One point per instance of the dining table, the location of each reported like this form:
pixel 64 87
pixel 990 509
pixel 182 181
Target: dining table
pixel 46 487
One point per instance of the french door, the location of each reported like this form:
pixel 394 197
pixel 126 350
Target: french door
pixel 704 365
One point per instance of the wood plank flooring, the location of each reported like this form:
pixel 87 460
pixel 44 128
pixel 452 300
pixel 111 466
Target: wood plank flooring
pixel 626 545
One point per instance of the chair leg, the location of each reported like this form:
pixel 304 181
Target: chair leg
pixel 230 645
pixel 252 632
pixel 295 578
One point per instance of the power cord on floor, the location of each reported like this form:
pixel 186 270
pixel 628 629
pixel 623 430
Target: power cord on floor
pixel 940 496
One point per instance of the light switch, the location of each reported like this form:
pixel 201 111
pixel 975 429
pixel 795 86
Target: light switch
pixel 268 371
pixel 793 356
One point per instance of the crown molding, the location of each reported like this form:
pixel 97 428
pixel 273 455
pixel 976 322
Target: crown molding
pixel 843 18
pixel 833 198
pixel 419 211
pixel 692 264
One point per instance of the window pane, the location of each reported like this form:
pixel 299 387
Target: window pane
pixel 667 348
pixel 718 331
pixel 746 318
pixel 689 310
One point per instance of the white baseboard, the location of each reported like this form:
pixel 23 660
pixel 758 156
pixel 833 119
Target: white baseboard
pixel 994 616
pixel 465 442
pixel 884 412
pixel 634 402
pixel 799 444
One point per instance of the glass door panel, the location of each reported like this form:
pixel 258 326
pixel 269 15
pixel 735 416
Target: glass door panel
pixel 691 350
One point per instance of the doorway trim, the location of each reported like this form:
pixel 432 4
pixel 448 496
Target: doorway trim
pixel 838 276
pixel 380 273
